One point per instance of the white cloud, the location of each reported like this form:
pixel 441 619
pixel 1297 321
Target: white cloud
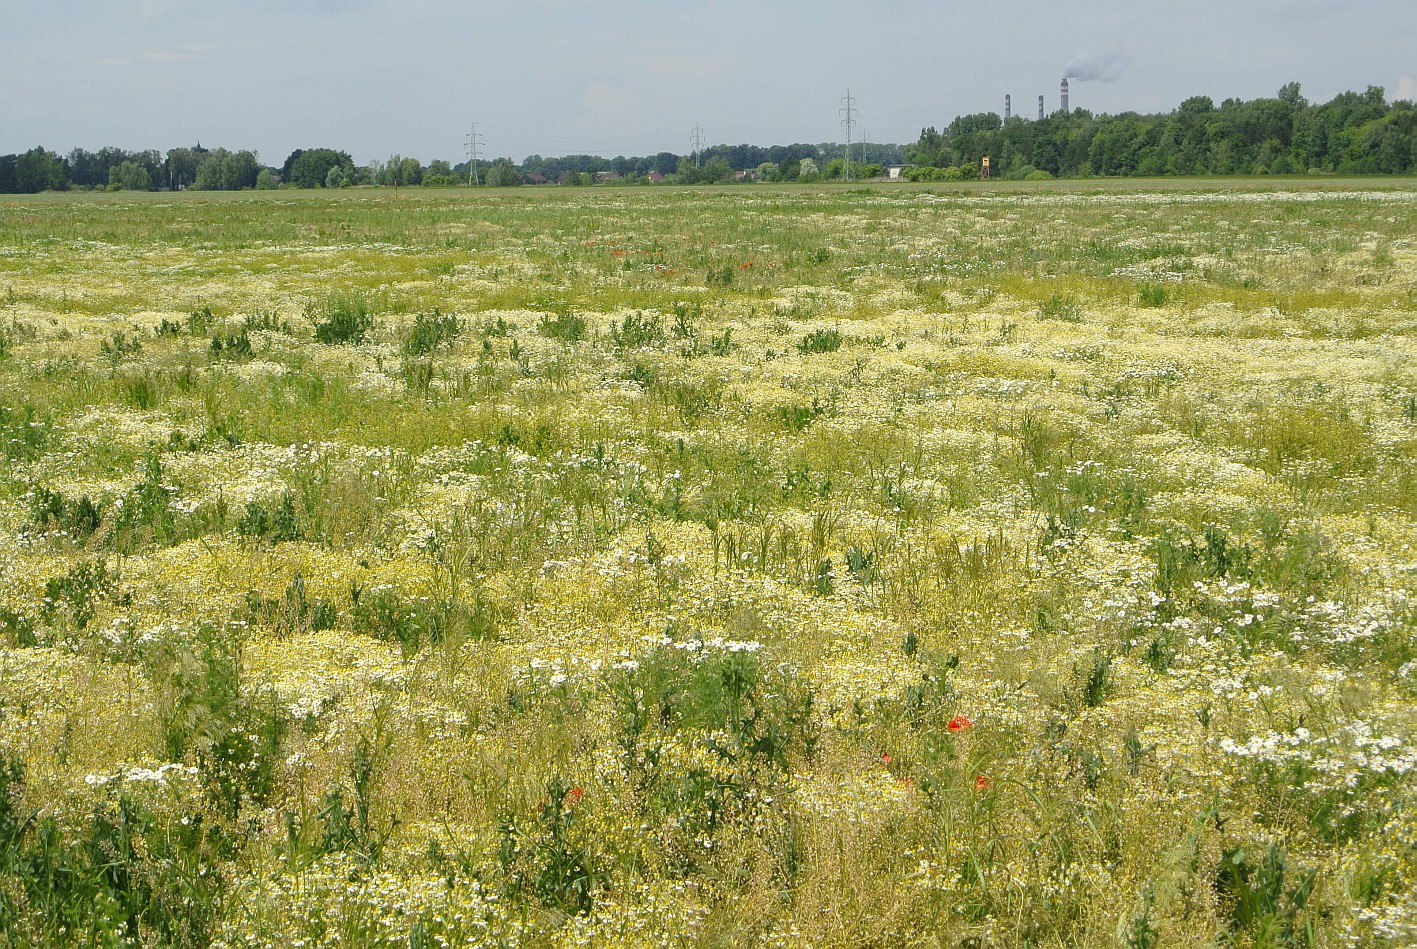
pixel 1406 89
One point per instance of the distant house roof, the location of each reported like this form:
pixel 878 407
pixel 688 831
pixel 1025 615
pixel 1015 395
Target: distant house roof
pixel 535 178
pixel 655 176
pixel 606 175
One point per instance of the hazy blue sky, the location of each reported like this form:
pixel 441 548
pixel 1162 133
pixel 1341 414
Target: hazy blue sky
pixel 553 77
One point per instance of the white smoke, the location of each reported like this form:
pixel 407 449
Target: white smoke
pixel 1086 67
pixel 1406 90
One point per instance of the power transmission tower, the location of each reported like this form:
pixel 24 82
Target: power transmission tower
pixel 473 143
pixel 698 144
pixel 848 110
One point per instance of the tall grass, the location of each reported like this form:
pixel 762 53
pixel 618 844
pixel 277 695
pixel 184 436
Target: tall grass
pixel 975 565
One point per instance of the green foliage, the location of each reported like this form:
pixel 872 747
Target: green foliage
pixel 1260 904
pixel 274 519
pixel 764 711
pixel 128 875
pixel 221 170
pixel 1353 133
pixel 503 174
pixel 200 321
pixel 821 341
pixel 1061 306
pixel 129 176
pixel 1154 294
pixel 638 330
pixel 52 511
pixel 720 344
pixel 23 433
pixel 546 857
pixel 231 345
pixel 720 276
pixel 267 321
pixel 383 613
pixel 798 417
pixel 344 318
pixel 292 612
pixel 142 515
pixel 310 168
pixel 346 819
pixel 431 331
pixel 74 598
pixel 564 325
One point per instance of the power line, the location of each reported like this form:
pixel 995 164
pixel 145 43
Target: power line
pixel 849 120
pixel 472 143
pixel 698 144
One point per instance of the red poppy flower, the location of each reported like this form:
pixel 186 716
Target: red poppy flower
pixel 982 782
pixel 959 723
pixel 573 796
pixel 886 758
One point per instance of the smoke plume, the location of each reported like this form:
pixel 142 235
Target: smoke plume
pixel 1086 67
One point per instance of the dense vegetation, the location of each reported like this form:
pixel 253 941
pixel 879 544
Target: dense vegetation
pixel 976 566
pixel 203 169
pixel 1352 134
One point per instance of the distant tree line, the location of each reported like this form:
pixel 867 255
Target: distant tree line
pixel 734 157
pixel 218 169
pixel 115 169
pixel 1355 133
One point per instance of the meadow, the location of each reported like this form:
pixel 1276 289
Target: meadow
pixel 1014 565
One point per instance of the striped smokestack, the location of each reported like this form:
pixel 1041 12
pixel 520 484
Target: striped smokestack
pixel 1008 107
pixel 1063 92
pixel 1040 108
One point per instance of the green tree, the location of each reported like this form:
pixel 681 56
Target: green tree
pixel 310 168
pixel 40 170
pixel 222 170
pixel 503 174
pixel 717 169
pixel 181 168
pixel 410 172
pixel 129 176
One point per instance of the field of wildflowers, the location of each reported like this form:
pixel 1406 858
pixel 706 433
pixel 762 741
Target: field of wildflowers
pixel 1025 566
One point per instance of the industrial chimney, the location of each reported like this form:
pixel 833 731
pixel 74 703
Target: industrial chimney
pixel 1008 107
pixel 1064 93
pixel 1040 108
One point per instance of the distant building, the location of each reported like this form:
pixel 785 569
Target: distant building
pixel 534 178
pixel 603 176
pixel 654 177
pixel 895 172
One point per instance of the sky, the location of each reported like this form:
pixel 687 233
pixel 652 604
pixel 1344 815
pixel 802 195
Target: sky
pixel 556 77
